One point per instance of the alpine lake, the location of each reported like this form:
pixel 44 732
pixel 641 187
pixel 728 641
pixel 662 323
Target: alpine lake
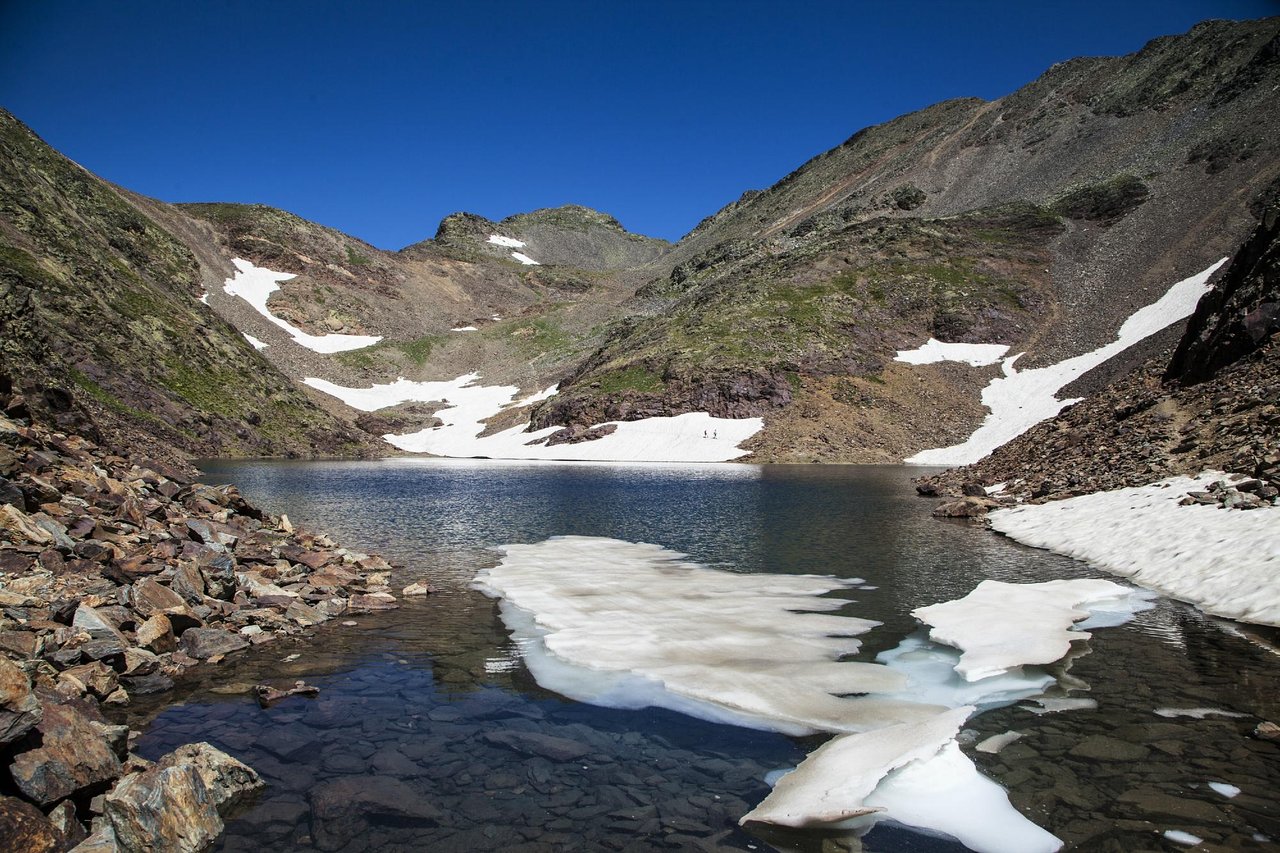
pixel 422 700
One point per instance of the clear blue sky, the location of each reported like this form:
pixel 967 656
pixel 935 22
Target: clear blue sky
pixel 380 118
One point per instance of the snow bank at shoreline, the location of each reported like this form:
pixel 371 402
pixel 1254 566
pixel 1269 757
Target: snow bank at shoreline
pixel 1225 561
pixel 1019 400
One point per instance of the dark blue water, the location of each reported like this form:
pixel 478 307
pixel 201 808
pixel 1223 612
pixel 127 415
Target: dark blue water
pixel 425 696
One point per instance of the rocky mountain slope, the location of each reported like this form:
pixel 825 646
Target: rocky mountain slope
pixel 1040 220
pixel 1213 405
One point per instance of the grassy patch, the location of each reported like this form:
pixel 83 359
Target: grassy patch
pixel 356 259
pixel 634 378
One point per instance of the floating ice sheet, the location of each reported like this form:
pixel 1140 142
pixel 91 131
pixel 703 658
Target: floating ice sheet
pixel 1227 562
pixel 256 284
pixel 1002 626
pixel 1021 399
pixel 691 437
pixel 629 624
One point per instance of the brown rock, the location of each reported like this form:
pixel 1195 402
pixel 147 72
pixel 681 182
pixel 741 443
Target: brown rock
pixel 18 643
pixel 188 582
pixel 164 808
pixel 23 827
pixel 228 781
pixel 156 634
pixel 99 678
pixel 967 507
pixel 73 757
pixel 372 601
pixel 151 597
pixel 64 819
pixel 19 709
pixel 204 643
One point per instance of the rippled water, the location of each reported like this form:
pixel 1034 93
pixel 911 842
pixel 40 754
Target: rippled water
pixel 430 705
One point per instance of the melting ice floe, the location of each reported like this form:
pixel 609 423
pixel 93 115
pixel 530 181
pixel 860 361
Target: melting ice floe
pixel 630 625
pixel 1225 561
pixel 1019 400
pixel 256 284
pixel 691 437
pixel 1001 626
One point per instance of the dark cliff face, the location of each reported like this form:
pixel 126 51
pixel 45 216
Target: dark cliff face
pixel 1242 312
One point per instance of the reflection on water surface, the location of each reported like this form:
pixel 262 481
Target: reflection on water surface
pixel 433 699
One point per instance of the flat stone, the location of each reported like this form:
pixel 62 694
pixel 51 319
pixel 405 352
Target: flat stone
pixel 533 743
pixel 1155 804
pixel 204 643
pixel 342 808
pixel 1104 748
pixel 372 601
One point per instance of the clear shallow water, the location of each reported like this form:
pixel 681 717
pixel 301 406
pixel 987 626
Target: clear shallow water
pixel 427 696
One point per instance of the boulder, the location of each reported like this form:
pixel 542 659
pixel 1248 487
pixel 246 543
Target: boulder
pixel 156 634
pixel 164 808
pixel 966 507
pixel 96 625
pixel 20 710
pixel 73 757
pixel 228 781
pixel 188 582
pixel 23 827
pixel 204 643
pixel 151 597
pixel 372 601
pixel 67 822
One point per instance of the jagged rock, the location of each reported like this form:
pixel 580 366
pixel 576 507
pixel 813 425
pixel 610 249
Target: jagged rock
pixel 151 597
pixel 204 643
pixel 165 808
pixel 156 682
pixel 418 588
pixel 20 710
pixel 73 757
pixel 64 819
pixel 342 808
pixel 967 507
pixel 229 782
pixel 97 677
pixel 23 827
pixel 156 634
pixel 96 625
pixel 188 582
pixel 101 840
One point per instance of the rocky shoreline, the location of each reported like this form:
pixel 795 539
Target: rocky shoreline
pixel 118 575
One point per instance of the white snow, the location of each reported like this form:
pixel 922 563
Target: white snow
pixel 1019 400
pixel 626 624
pixel 257 344
pixel 1177 836
pixel 933 351
pixel 464 329
pixel 204 297
pixel 1224 789
pixel 1002 626
pixel 525 259
pixel 947 794
pixel 691 437
pixel 255 285
pixel 1227 562
pixel 509 242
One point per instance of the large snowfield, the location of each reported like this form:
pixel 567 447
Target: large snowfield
pixel 624 624
pixel 255 285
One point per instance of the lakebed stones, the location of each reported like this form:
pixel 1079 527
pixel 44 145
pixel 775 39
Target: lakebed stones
pixel 342 808
pixel 116 577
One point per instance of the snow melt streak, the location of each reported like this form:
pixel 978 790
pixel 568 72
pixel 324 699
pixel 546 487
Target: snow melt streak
pixel 1225 561
pixel 1021 399
pixel 256 284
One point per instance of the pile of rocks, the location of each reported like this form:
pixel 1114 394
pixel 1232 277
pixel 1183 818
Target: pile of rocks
pixel 115 577
pixel 1248 493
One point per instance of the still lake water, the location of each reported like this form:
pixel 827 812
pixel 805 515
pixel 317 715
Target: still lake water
pixel 409 745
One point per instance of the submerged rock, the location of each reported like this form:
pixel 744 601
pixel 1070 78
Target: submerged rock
pixel 342 808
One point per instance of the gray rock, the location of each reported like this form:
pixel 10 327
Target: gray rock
pixel 342 808
pixel 204 643
pixel 97 626
pixel 534 743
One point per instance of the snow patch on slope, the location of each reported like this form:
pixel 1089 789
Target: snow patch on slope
pixel 691 437
pixel 525 259
pixel 254 342
pixel 934 351
pixel 255 285
pixel 1227 562
pixel 508 242
pixel 1019 400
